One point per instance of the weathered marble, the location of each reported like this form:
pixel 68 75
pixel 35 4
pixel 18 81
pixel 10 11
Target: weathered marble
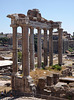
pixel 45 48
pixel 39 48
pixel 60 46
pixel 32 48
pixel 51 46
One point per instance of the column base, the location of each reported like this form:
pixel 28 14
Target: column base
pixel 22 85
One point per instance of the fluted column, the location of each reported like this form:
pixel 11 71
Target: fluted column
pixel 60 46
pixel 45 48
pixel 32 48
pixel 39 48
pixel 25 51
pixel 51 46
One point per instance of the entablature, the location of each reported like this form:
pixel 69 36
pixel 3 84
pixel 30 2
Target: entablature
pixel 32 20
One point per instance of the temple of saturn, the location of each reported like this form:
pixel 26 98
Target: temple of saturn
pixel 31 21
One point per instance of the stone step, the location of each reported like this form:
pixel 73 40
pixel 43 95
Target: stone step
pixel 47 92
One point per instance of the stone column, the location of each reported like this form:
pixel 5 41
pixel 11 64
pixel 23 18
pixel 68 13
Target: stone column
pixel 32 48
pixel 60 46
pixel 15 49
pixel 14 57
pixel 25 51
pixel 39 48
pixel 45 48
pixel 51 46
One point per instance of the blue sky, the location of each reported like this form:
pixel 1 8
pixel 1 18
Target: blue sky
pixel 56 10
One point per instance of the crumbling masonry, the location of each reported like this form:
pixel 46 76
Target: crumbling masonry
pixel 31 21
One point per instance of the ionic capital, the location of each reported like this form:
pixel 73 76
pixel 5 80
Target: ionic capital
pixel 51 29
pixel 31 27
pixel 38 28
pixel 24 25
pixel 61 29
pixel 44 29
pixel 13 26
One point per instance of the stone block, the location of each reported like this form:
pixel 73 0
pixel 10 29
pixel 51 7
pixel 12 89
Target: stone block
pixel 49 80
pixel 55 98
pixel 55 78
pixel 41 85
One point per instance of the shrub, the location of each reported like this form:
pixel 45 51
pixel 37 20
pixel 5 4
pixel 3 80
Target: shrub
pixel 19 56
pixel 56 67
pixel 42 65
pixel 35 65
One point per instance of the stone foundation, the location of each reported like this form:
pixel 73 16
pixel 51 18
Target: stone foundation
pixel 22 84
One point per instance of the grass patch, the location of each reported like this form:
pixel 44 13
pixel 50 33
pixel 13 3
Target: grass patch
pixel 57 67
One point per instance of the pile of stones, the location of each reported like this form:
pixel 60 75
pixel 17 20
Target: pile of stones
pixel 54 89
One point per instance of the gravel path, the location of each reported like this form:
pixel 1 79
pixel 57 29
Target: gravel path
pixel 21 98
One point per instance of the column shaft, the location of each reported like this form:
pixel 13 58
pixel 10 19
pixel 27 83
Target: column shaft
pixel 14 57
pixel 60 47
pixel 45 48
pixel 25 51
pixel 31 48
pixel 15 49
pixel 39 48
pixel 51 46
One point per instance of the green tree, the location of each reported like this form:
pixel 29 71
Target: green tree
pixel 4 40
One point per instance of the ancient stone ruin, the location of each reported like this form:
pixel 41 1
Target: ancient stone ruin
pixel 32 20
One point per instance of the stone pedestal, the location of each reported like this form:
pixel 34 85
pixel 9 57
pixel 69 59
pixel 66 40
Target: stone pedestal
pixel 39 48
pixel 41 85
pixel 55 78
pixel 60 47
pixel 45 48
pixel 22 84
pixel 49 80
pixel 27 81
pixel 32 48
pixel 51 46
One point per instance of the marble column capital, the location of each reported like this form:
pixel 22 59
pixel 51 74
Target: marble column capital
pixel 45 29
pixel 60 29
pixel 24 25
pixel 13 26
pixel 51 29
pixel 32 28
pixel 38 28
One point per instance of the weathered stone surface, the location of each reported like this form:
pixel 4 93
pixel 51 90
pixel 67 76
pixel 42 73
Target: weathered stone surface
pixel 67 72
pixel 33 19
pixel 22 84
pixel 71 85
pixel 41 85
pixel 39 48
pixel 66 79
pixel 55 98
pixel 60 47
pixel 50 46
pixel 49 80
pixel 70 94
pixel 45 48
pixel 32 48
pixel 70 67
pixel 34 13
pixel 15 49
pixel 55 78
pixel 25 51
